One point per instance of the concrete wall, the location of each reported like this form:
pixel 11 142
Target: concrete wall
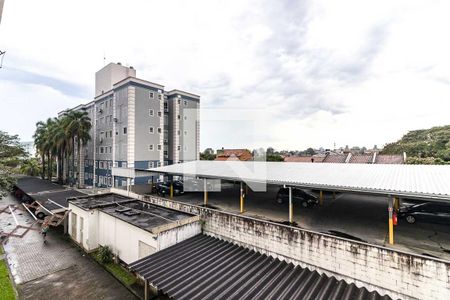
pixel 395 273
pixel 123 238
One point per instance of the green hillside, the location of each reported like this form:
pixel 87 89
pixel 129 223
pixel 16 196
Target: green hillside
pixel 426 146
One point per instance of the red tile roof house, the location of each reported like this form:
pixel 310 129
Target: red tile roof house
pixel 305 159
pixel 234 154
pixel 390 159
pixel 361 159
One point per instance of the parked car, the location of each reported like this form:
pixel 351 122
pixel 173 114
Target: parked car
pixel 304 198
pixel 435 212
pixel 163 188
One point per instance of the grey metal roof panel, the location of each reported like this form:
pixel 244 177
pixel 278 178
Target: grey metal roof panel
pixel 205 267
pixel 412 180
pixel 31 185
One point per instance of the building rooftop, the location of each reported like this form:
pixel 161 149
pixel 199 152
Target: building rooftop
pixel 32 185
pixel 205 267
pixel 150 217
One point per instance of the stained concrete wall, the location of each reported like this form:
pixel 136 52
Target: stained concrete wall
pixel 398 274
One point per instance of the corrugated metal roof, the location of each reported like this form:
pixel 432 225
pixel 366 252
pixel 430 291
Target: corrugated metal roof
pixel 204 267
pixel 431 181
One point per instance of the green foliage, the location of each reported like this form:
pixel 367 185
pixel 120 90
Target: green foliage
pixel 6 287
pixel 30 167
pixel 206 156
pixel 423 146
pixel 105 255
pixel 11 153
pixel 274 157
pixel 414 160
pixel 117 270
pixel 58 138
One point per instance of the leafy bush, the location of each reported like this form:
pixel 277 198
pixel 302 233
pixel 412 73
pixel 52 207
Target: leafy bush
pixel 105 255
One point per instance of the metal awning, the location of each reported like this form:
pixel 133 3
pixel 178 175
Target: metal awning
pixel 415 181
pixel 205 267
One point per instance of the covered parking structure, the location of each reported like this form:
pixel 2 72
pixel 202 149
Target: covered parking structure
pixel 430 182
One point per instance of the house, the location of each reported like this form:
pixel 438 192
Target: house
pixel 234 154
pixel 132 228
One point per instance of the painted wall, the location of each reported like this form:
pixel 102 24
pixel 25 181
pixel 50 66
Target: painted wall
pixel 391 272
pixel 103 229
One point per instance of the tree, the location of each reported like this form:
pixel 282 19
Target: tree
pixel 310 151
pixel 208 154
pixel 78 127
pixel 30 167
pixel 10 155
pixel 426 143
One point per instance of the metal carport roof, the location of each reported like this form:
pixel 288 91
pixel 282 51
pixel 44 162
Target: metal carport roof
pixel 422 181
pixel 205 267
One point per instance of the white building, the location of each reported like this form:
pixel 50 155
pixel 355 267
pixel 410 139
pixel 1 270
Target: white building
pixel 132 228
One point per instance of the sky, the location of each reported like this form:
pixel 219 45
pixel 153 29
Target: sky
pixel 302 73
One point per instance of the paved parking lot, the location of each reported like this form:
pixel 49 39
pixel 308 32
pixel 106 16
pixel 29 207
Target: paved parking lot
pixel 57 269
pixel 360 216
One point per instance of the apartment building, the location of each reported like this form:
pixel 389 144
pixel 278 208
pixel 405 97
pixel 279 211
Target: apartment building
pixel 136 124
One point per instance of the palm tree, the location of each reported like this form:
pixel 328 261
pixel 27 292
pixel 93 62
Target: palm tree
pixel 58 139
pixel 30 167
pixel 78 127
pixel 40 136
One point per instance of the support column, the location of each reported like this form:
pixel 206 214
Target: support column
pixel 205 190
pixel 291 207
pixel 396 204
pixel 391 223
pixel 146 293
pixel 171 190
pixel 321 198
pixel 242 198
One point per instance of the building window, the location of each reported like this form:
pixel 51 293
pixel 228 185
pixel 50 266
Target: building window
pixel 110 133
pixel 178 132
pixel 150 164
pixel 110 149
pixel 185 103
pixel 178 117
pixel 158 164
pixel 151 95
pixel 151 112
pixel 159 114
pixel 159 96
pixel 159 130
pixel 124 164
pixel 166 106
pixel 124 130
pixel 151 129
pixel 165 153
pixel 159 147
pixel 179 101
pixel 150 147
pixel 101 149
pixel 178 148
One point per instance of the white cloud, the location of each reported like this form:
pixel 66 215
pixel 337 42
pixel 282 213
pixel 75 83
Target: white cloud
pixel 350 72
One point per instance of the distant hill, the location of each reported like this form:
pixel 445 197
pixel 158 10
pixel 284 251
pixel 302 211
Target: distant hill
pixel 426 146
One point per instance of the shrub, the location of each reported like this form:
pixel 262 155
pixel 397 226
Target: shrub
pixel 105 255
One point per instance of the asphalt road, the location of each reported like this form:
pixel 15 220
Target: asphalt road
pixel 360 216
